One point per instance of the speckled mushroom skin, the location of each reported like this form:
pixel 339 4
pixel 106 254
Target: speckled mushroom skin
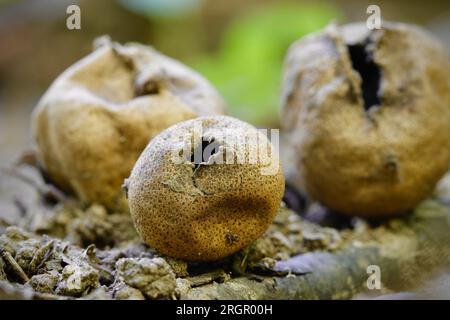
pixel 380 161
pixel 209 212
pixel 97 117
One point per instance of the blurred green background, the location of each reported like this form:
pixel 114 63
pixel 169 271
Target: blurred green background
pixel 238 45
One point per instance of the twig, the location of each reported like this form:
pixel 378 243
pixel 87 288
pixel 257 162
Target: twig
pixel 13 266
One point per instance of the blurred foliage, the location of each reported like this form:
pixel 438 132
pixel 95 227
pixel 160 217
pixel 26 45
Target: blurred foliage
pixel 247 68
pixel 160 8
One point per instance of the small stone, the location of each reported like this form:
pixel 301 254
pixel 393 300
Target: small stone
pixel 124 292
pixel 45 282
pixel 77 280
pixel 183 287
pixel 153 277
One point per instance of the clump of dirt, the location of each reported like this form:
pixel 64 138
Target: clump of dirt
pixel 154 278
pixel 97 226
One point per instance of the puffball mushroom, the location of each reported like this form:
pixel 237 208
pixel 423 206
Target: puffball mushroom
pixel 367 115
pixel 97 117
pixel 205 188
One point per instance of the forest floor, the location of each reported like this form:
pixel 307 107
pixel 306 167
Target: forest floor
pixel 52 247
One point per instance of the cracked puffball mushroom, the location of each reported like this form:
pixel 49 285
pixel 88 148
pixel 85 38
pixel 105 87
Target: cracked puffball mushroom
pixel 367 117
pixel 97 117
pixel 205 188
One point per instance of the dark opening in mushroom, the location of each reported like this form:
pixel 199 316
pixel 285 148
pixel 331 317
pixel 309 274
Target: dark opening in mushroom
pixel 363 63
pixel 204 151
pixel 151 87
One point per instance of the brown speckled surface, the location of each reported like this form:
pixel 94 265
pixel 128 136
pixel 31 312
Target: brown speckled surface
pixel 209 213
pixel 380 161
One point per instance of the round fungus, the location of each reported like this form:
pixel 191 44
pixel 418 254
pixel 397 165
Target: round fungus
pixel 367 115
pixel 97 117
pixel 205 188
